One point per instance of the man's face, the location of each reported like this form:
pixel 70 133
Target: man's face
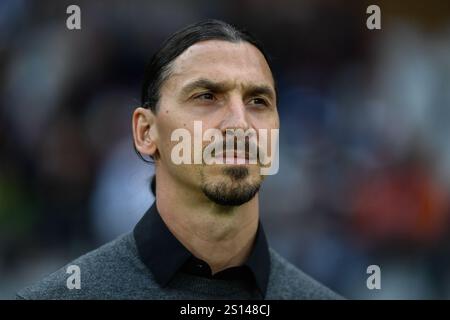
pixel 226 86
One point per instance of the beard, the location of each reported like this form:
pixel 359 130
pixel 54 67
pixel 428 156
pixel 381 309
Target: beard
pixel 231 193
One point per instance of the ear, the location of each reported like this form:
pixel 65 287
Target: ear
pixel 145 132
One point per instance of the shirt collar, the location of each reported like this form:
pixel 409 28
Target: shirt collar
pixel 154 241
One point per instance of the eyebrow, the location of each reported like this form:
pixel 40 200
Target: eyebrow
pixel 220 87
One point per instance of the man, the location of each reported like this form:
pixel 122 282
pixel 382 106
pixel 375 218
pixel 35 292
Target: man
pixel 202 239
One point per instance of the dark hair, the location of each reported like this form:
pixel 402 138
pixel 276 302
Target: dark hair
pixel 158 69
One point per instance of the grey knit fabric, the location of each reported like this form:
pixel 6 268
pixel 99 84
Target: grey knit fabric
pixel 115 271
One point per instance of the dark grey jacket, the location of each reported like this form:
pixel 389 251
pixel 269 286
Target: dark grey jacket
pixel 115 271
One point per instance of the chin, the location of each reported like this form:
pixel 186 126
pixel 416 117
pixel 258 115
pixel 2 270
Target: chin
pixel 234 186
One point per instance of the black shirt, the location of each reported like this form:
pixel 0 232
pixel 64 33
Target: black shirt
pixel 164 255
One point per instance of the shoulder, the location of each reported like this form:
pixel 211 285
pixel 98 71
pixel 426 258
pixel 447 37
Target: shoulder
pixel 288 282
pixel 107 272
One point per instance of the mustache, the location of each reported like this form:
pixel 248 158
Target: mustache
pixel 247 148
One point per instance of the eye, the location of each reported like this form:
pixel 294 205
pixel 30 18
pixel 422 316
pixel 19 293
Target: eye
pixel 258 102
pixel 205 96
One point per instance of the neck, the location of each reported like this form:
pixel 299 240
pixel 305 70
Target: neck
pixel 222 236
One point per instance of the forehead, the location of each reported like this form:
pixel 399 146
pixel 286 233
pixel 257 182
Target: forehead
pixel 240 63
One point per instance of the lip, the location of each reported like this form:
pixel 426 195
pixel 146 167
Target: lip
pixel 236 155
pixel 239 158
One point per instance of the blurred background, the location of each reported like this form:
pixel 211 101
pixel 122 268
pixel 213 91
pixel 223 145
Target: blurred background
pixel 364 157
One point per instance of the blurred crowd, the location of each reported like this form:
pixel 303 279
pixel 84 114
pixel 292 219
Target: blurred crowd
pixel 364 157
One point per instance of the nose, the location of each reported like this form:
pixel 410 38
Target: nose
pixel 236 116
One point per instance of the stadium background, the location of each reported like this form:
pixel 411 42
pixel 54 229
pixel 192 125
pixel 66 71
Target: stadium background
pixel 364 158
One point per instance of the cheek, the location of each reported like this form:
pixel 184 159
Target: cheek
pixel 184 136
pixel 268 138
pixel 268 122
pixel 165 129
